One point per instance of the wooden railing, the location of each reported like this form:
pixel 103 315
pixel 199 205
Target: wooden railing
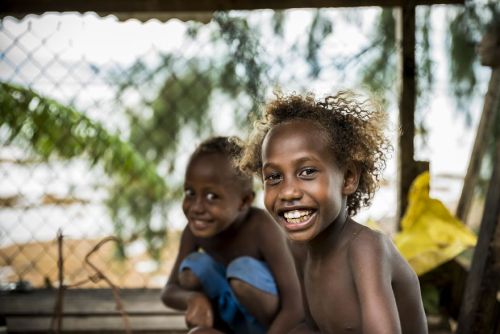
pixel 89 311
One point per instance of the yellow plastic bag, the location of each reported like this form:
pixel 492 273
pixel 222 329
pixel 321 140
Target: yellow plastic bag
pixel 430 234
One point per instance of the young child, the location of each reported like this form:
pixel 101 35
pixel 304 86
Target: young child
pixel 320 161
pixel 234 272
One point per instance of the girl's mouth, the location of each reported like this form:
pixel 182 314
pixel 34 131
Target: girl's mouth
pixel 200 224
pixel 297 219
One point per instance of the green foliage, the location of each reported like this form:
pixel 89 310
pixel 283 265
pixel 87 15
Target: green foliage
pixel 187 88
pixel 380 73
pixel 423 54
pixel 462 69
pixel 278 22
pixel 425 70
pixel 52 129
pixel 244 51
pixel 178 95
pixel 467 25
pixel 184 91
pixel 430 299
pixel 182 101
pixel 321 27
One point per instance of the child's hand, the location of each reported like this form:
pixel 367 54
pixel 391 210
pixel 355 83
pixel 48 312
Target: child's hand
pixel 199 311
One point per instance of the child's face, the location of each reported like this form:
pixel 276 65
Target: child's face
pixel 303 187
pixel 213 199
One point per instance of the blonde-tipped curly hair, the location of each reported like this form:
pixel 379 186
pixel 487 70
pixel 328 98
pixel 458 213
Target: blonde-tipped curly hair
pixel 355 130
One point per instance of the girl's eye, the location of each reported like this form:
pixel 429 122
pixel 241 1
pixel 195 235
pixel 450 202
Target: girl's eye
pixel 273 178
pixel 188 192
pixel 308 172
pixel 211 196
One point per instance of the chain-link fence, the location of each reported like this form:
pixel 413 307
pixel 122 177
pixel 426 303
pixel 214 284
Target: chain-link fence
pixel 98 118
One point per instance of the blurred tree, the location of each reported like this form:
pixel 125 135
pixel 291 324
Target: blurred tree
pixel 178 94
pixel 466 26
pixel 182 104
pixel 50 129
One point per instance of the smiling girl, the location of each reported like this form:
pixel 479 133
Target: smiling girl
pixel 320 161
pixel 234 272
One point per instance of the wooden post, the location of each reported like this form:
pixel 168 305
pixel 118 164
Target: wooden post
pixel 406 165
pixel 479 312
pixel 489 54
pixel 491 105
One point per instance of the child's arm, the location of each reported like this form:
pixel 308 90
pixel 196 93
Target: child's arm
pixel 371 266
pixel 279 259
pixel 197 305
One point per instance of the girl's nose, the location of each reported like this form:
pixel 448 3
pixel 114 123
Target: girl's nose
pixel 290 191
pixel 197 205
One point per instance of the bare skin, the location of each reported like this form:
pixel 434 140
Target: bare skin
pixel 354 280
pixel 222 222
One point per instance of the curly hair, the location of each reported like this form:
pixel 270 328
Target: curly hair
pixel 355 131
pixel 230 147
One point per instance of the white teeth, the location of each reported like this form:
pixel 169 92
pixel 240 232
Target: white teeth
pixel 294 214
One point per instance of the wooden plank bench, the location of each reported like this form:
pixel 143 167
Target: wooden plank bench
pixel 90 311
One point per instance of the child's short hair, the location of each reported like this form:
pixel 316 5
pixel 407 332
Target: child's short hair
pixel 354 129
pixel 230 147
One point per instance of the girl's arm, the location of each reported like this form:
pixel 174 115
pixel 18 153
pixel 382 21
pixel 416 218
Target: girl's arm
pixel 197 305
pixel 278 257
pixel 371 266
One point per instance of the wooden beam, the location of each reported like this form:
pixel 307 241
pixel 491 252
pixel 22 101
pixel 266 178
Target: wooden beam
pixel 90 311
pixel 407 167
pixel 479 311
pixel 84 301
pixel 158 324
pixel 23 7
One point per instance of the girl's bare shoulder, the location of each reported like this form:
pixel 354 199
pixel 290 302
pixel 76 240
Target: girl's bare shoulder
pixel 366 242
pixel 262 225
pixel 371 246
pixel 260 218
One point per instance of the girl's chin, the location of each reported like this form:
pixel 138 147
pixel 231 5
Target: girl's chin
pixel 303 235
pixel 205 232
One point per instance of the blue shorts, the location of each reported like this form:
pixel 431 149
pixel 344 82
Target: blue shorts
pixel 214 278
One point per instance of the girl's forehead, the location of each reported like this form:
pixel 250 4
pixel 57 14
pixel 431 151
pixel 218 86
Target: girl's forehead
pixel 295 138
pixel 210 163
pixel 299 127
pixel 209 158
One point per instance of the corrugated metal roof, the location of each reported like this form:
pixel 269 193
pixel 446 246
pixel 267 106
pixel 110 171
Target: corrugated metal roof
pixel 199 10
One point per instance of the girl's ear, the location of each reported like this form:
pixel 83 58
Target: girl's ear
pixel 351 179
pixel 247 200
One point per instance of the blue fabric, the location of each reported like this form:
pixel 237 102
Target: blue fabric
pixel 254 272
pixel 214 278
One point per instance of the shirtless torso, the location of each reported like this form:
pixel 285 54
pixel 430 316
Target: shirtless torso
pixel 345 282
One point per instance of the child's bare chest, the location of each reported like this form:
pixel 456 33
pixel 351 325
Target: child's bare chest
pixel 331 294
pixel 228 249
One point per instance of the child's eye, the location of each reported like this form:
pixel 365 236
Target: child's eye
pixel 308 172
pixel 188 192
pixel 272 178
pixel 211 196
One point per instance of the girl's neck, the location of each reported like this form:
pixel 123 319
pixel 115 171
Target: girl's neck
pixel 328 240
pixel 234 226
